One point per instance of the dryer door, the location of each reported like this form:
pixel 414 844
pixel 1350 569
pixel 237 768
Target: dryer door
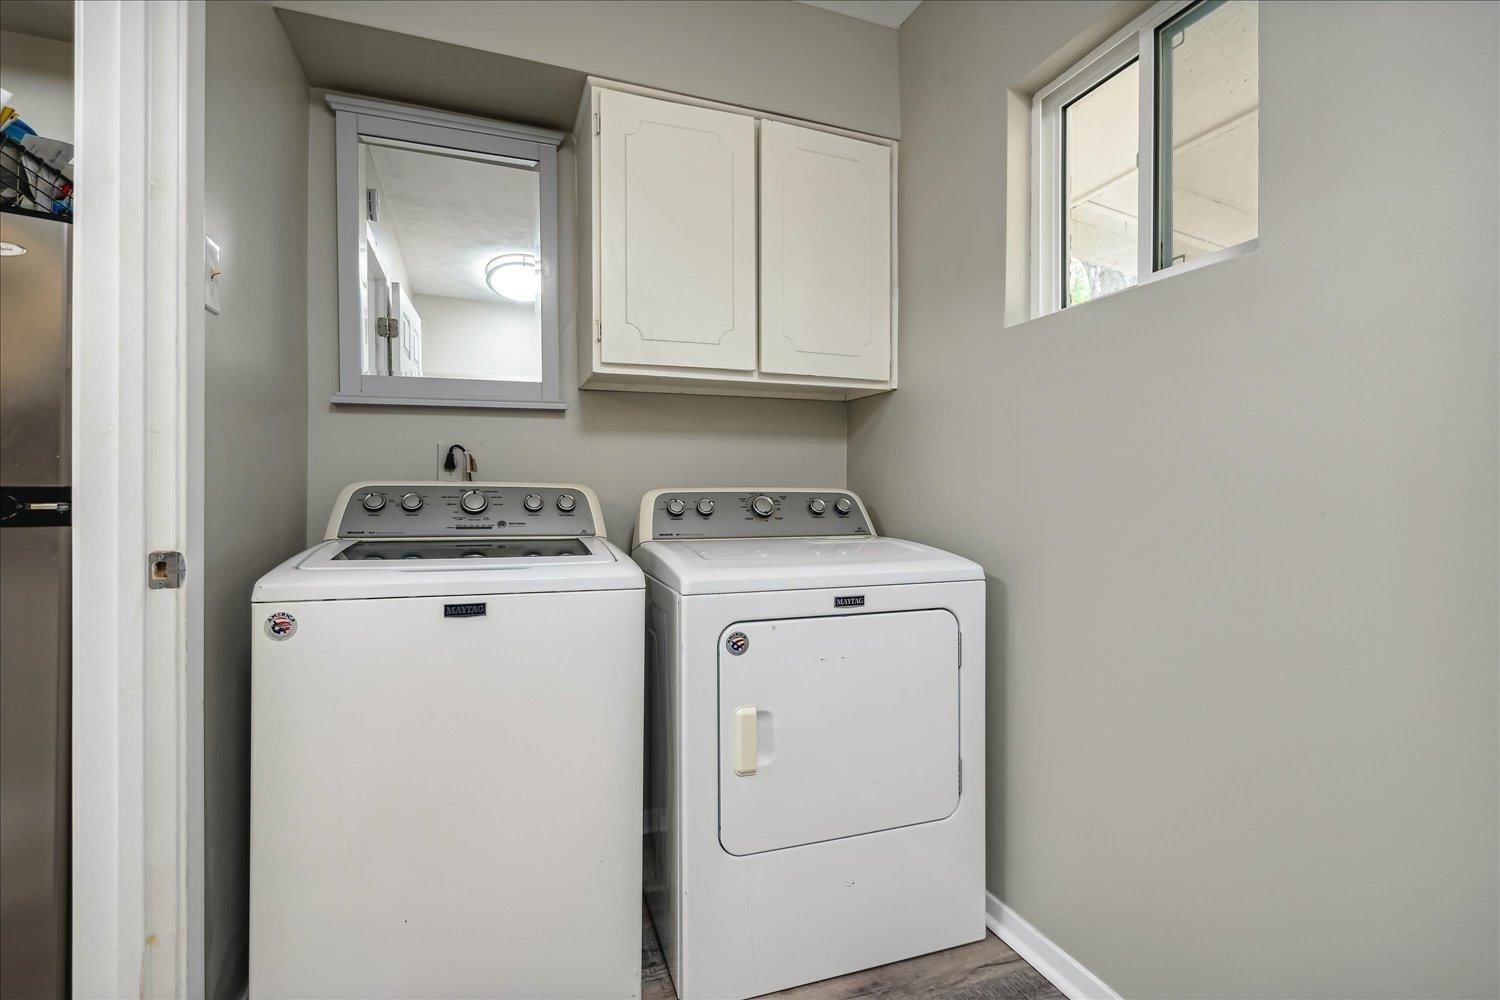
pixel 836 727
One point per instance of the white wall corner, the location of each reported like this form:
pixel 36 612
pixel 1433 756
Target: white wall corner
pixel 1061 969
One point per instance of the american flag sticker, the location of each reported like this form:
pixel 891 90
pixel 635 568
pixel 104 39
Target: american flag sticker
pixel 281 626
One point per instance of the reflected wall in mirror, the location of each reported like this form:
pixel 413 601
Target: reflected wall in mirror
pixel 453 301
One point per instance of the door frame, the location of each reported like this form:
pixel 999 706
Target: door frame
pixel 137 355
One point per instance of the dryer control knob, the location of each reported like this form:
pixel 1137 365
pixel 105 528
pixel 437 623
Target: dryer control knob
pixel 411 502
pixel 762 506
pixel 567 502
pixel 705 506
pixel 474 502
pixel 373 502
pixel 843 505
pixel 676 507
pixel 533 502
pixel 817 505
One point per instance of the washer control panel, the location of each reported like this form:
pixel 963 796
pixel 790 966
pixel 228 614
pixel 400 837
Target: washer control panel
pixel 751 513
pixel 464 510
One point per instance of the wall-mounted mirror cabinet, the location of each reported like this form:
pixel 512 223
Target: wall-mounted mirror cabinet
pixel 447 242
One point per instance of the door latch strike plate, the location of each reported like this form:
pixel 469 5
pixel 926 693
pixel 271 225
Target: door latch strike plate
pixel 165 570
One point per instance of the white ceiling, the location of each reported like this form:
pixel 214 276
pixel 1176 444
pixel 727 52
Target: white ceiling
pixel 453 216
pixel 890 13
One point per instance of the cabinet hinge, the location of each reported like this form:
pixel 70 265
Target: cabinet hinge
pixel 598 331
pixel 960 775
pixel 596 123
pixel 372 204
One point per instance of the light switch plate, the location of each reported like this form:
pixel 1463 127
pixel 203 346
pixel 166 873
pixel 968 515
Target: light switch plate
pixel 212 273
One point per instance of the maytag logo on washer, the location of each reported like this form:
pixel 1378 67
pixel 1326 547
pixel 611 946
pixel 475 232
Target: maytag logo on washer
pixel 737 643
pixel 281 626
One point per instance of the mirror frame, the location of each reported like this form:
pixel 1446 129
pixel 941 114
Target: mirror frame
pixel 359 116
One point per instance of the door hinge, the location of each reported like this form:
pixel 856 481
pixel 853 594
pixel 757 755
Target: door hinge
pixel 388 327
pixel 165 570
pixel 596 123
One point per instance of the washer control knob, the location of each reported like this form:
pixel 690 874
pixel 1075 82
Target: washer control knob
pixel 676 507
pixel 762 506
pixel 816 506
pixel 373 502
pixel 843 505
pixel 567 502
pixel 705 506
pixel 411 502
pixel 474 502
pixel 533 502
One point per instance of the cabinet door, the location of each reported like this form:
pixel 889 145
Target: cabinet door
pixel 677 234
pixel 825 231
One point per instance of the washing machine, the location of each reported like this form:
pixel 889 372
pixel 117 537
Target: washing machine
pixel 815 783
pixel 446 750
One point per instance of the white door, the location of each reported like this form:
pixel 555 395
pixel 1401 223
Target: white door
pixel 825 230
pixel 835 727
pixel 677 234
pixel 409 331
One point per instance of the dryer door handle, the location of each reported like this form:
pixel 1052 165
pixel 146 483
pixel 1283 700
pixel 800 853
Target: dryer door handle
pixel 746 750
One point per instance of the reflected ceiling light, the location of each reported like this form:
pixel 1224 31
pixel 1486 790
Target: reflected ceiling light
pixel 514 276
pixel 11 249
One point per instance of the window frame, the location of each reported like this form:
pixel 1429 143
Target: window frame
pixel 400 123
pixel 1136 42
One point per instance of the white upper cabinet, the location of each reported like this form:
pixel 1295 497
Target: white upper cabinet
pixel 677 232
pixel 731 252
pixel 825 254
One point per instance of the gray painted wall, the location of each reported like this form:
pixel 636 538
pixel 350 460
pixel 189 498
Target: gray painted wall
pixel 773 55
pixel 620 443
pixel 256 434
pixel 39 71
pixel 826 67
pixel 1240 525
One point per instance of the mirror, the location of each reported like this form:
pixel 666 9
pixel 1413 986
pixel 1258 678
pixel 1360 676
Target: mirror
pixel 452 278
pixel 454 301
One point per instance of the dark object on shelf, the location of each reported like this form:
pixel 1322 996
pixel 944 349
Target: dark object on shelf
pixel 27 182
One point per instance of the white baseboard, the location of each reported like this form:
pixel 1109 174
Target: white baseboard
pixel 1061 969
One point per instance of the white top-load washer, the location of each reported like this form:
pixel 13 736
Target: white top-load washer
pixel 816 751
pixel 446 733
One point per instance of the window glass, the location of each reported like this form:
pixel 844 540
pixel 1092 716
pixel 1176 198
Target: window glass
pixel 1101 213
pixel 1208 130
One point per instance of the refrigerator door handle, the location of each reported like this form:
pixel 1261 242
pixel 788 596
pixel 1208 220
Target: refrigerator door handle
pixel 36 506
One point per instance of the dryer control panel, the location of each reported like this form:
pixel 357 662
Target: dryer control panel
pixel 751 513
pixel 465 510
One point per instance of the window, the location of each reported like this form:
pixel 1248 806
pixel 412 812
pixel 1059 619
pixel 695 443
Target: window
pixel 1145 155
pixel 447 246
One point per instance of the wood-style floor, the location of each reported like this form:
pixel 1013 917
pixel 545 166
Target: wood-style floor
pixel 984 970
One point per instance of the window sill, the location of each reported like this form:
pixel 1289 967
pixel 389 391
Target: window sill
pixel 1218 256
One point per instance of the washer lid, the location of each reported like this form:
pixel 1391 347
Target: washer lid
pixel 354 569
pixel 729 566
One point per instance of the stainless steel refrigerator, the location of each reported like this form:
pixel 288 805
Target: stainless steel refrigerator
pixel 35 618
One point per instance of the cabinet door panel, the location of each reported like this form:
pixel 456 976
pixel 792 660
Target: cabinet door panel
pixel 825 231
pixel 677 234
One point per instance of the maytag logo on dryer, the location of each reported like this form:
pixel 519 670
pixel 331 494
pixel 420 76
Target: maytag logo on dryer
pixel 470 610
pixel 849 601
